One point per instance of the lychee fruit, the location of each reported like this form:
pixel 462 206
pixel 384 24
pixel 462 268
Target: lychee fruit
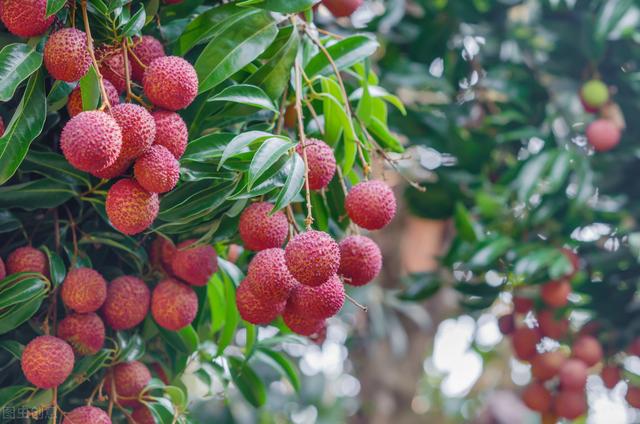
pixel 1 126
pixel 91 141
pixel 321 162
pixel 319 302
pixel 551 327
pixel 525 341
pixel 570 404
pixel 611 376
pixel 588 349
pixel 84 290
pixel 74 104
pixel 127 302
pixel 594 94
pixel 507 324
pixel 47 361
pixel 302 325
pixel 522 305
pixel 603 135
pixel 312 257
pixel 157 170
pixel 291 117
pixel 634 347
pixel 162 252
pixel 259 229
pixel 537 397
pixel 171 132
pixel 112 68
pixel 342 8
pixel 556 293
pixel 138 128
pixel 130 208
pixel 633 396
pixel 194 264
pixel 3 270
pixel 87 415
pixel 25 18
pixel 360 260
pixel 27 259
pixel 66 55
pixel 142 415
pixel 546 365
pixel 371 204
pixel 84 332
pixel 174 305
pixel 269 277
pixel 573 375
pixel 146 49
pixel 118 168
pixel 129 380
pixel 170 82
pixel 254 309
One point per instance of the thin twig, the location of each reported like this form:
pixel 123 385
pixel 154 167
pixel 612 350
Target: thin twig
pixel 309 219
pixel 356 303
pixel 87 29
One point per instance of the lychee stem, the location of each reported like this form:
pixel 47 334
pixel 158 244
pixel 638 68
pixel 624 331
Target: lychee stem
pixel 135 57
pixel 281 111
pixel 292 219
pixel 87 29
pixel 309 219
pixel 356 303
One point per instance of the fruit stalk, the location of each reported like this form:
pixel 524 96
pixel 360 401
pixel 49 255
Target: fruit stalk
pixel 87 30
pixel 298 72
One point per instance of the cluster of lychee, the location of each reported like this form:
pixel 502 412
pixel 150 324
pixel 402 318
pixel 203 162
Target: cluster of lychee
pixel 604 133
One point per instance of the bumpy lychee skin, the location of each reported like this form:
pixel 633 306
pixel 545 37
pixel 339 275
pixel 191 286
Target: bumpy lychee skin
pixel 603 135
pixel 112 68
pixel 360 260
pixel 371 205
pixel 302 325
pixel 27 259
pixel 611 376
pixel 633 396
pixel 312 257
pixel 171 132
pixel 524 341
pixel 546 365
pixel 130 208
pixel 195 265
pixel 66 56
pixel 142 415
pixel 146 49
pixel 556 293
pixel 91 141
pixel 537 397
pixel 3 269
pixel 25 18
pixel 570 404
pixel 87 415
pixel 170 82
pixel 322 163
pixel 138 128
pixel 319 302
pixel 342 8
pixel 162 252
pixel 587 349
pixel 269 277
pixel 174 305
pixel 255 310
pixel 84 332
pixel 127 302
pixel 551 327
pixel 594 94
pixel 259 230
pixel 573 374
pixel 130 379
pixel 74 104
pixel 47 361
pixel 84 290
pixel 119 167
pixel 157 170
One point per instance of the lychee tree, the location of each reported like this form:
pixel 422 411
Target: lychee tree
pixel 173 173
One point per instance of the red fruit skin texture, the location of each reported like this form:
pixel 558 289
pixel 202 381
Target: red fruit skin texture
pixel 127 303
pixel 87 415
pixel 556 293
pixel 537 397
pixel 255 310
pixel 47 361
pixel 522 305
pixel 633 396
pixel 170 82
pixel 66 56
pixel 268 276
pixel 551 327
pixel 570 404
pixel 546 365
pixel 74 104
pixel 611 376
pixel 27 259
pixel 603 135
pixel 84 332
pixel 312 257
pixel 157 170
pixel 360 260
pixel 321 161
pixel 302 325
pixel 507 324
pixel 171 132
pixel 3 269
pixel 112 68
pixel 259 230
pixel 138 128
pixel 174 305
pixel 130 379
pixel 119 167
pixel 318 302
pixel 573 375
pixel 84 290
pixel 142 415
pixel 342 8
pixel 162 252
pixel 588 349
pixel 146 49
pixel 130 208
pixel 91 141
pixel 525 341
pixel 371 204
pixel 25 18
pixel 195 265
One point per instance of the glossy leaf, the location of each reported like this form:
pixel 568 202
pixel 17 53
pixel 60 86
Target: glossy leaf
pixel 247 95
pixel 344 53
pixel 17 63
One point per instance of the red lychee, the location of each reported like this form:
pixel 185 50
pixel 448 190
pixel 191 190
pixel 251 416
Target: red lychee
pixel 25 18
pixel 522 305
pixel 112 67
pixel 195 264
pixel 146 49
pixel 312 257
pixel 269 277
pixel 138 129
pixel 255 310
pixel 84 332
pixel 174 305
pixel 573 375
pixel 1 126
pixel 634 347
pixel 157 170
pixel 127 302
pixel 3 270
pixel 551 327
pixel 506 324
pixel 130 208
pixel 633 396
pixel 360 260
pixel 371 204
pixel 259 230
pixel 537 397
pixel 319 302
pixel 342 8
pixel 525 341
pixel 603 135
pixel 588 349
pixel 66 55
pixel 47 361
pixel 27 259
pixel 170 82
pixel 87 415
pixel 300 324
pixel 130 379
pixel 321 161
pixel 74 104
pixel 118 168
pixel 84 290
pixel 171 132
pixel 611 376
pixel 162 252
pixel 556 293
pixel 570 404
pixel 546 365
pixel 142 415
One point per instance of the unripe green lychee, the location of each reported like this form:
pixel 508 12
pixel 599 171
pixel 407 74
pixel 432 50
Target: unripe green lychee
pixel 300 324
pixel 633 396
pixel 595 94
pixel 260 230
pixel 25 18
pixel 170 82
pixel 174 305
pixel 537 397
pixel 552 327
pixel 312 257
pixel 127 302
pixel 556 293
pixel 118 168
pixel 342 8
pixel 546 365
pixel 137 126
pixel 66 55
pixel 47 361
pixel 360 260
pixel 194 264
pixel 84 332
pixel 130 208
pixel 142 415
pixel 171 132
pixel 611 376
pixel 570 404
pixel 84 290
pixel 129 380
pixel 319 302
pixel 91 141
pixel 371 204
pixel 254 309
pixel 87 415
pixel 157 170
pixel 146 49
pixel 162 252
pixel 112 67
pixel 603 135
pixel 525 341
pixel 588 349
pixel 321 161
pixel 27 259
pixel 74 104
pixel 573 374
pixel 269 277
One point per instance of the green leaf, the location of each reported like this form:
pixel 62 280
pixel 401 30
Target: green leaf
pixel 185 340
pixel 421 286
pixel 489 252
pixel 16 315
pixel 247 95
pixel 346 52
pixel 464 224
pixel 11 394
pixel 386 139
pixel 54 166
pixel 54 6
pixel 22 291
pixel 135 24
pixel 232 317
pixel 241 142
pixel 295 170
pixel 284 365
pixel 57 268
pixel 267 155
pixel 17 62
pixel 377 92
pixel 36 194
pixel 282 6
pixel 85 368
pixel 90 90
pixel 247 382
pixel 217 304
